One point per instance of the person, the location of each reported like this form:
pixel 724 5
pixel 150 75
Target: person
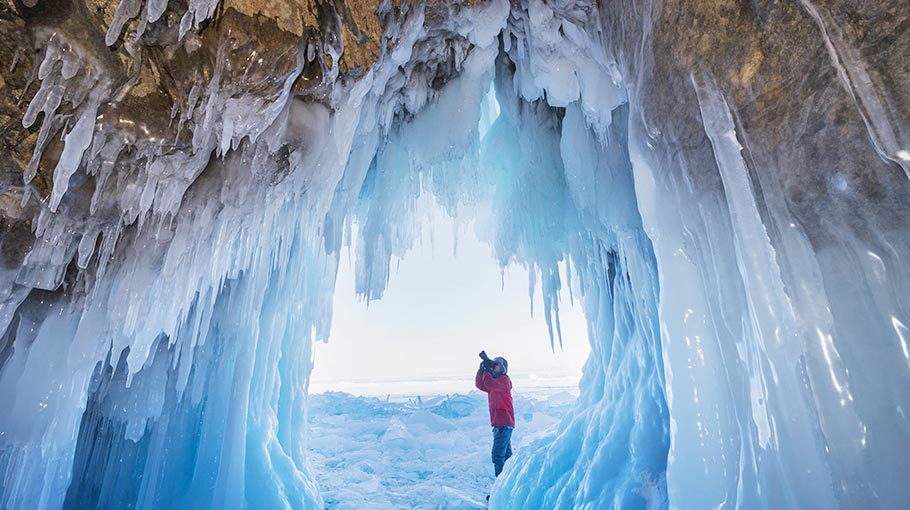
pixel 493 378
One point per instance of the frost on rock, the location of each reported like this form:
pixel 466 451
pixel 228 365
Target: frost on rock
pixel 734 230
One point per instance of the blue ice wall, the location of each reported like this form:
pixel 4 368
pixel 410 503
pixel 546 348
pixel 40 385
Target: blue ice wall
pixel 563 191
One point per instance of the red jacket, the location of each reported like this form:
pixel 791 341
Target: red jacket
pixel 499 395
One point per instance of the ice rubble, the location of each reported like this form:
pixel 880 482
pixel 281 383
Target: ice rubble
pixel 427 453
pixel 728 365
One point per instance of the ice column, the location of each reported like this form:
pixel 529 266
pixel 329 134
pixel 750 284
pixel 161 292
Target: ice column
pixel 611 452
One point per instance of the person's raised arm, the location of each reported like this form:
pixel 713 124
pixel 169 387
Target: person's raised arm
pixel 479 378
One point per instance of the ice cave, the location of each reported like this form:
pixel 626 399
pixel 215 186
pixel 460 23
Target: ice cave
pixel 721 179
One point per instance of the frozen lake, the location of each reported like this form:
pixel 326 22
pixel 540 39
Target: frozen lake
pixel 429 453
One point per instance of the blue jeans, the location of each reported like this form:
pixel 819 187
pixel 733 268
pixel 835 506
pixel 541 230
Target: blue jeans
pixel 502 447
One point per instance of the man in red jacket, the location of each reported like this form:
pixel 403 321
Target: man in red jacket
pixel 492 378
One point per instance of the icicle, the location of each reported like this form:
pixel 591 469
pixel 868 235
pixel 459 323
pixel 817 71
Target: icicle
pixel 76 142
pixel 126 10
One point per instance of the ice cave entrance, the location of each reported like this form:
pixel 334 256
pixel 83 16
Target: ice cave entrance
pixel 394 416
pixel 447 299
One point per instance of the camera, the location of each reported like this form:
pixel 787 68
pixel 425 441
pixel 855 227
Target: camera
pixel 488 364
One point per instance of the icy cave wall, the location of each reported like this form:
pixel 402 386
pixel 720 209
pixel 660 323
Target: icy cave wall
pixel 726 178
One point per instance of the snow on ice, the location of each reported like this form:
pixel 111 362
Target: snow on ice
pixel 425 453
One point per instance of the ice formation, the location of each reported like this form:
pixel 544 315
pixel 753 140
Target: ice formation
pixel 727 183
pixel 373 454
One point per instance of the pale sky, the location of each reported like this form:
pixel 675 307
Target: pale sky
pixel 439 311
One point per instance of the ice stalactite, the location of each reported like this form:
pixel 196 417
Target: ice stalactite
pixel 171 368
pixel 564 101
pixel 759 213
pixel 756 212
pixel 611 451
pixel 198 330
pixel 867 88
